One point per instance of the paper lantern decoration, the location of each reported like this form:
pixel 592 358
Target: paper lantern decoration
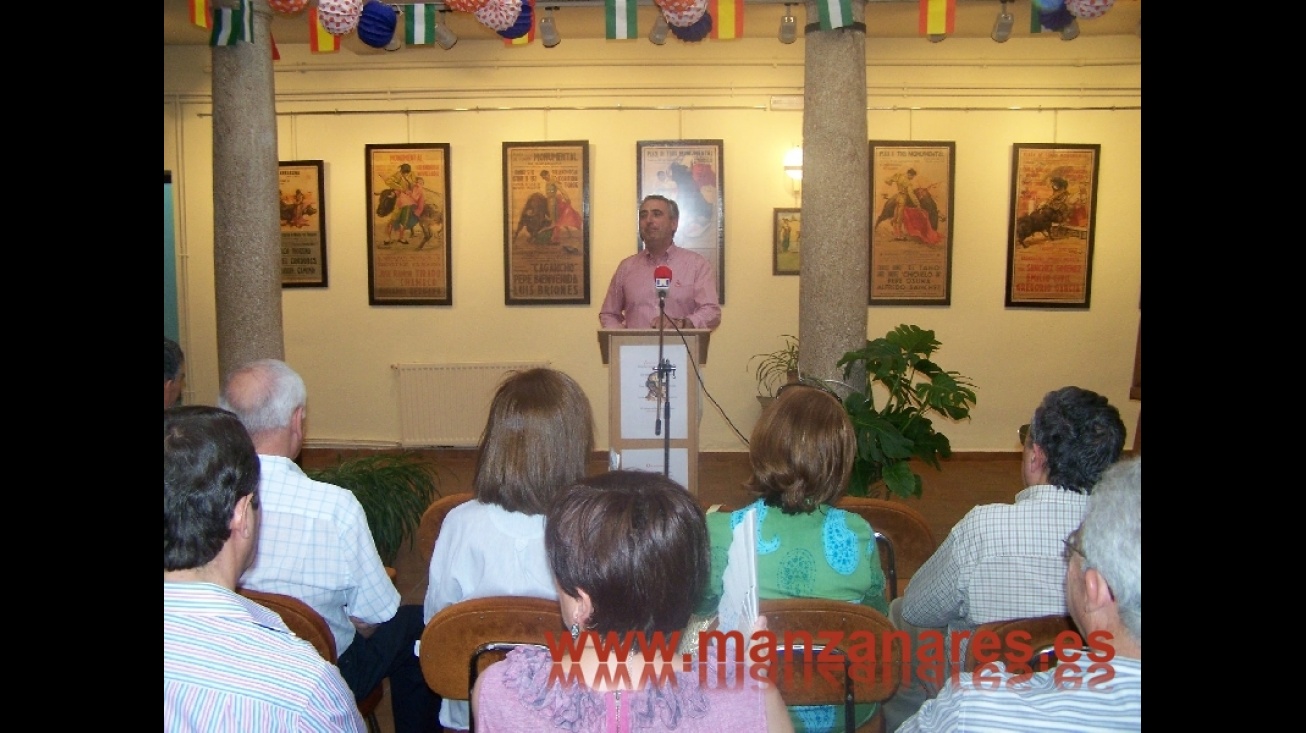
pixel 339 17
pixel 676 6
pixel 523 24
pixel 1057 19
pixel 1049 6
pixel 499 15
pixel 686 18
pixel 696 31
pixel 377 23
pixel 287 6
pixel 1089 8
pixel 465 6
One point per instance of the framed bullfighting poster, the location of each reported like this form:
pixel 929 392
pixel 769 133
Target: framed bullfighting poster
pixel 408 253
pixel 303 225
pixel 690 173
pixel 1053 217
pixel 546 223
pixel 912 222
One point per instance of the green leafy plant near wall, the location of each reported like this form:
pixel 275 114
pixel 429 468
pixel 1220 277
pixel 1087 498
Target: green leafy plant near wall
pixel 394 488
pixel 900 428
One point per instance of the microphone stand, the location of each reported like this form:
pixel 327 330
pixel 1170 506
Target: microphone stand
pixel 664 396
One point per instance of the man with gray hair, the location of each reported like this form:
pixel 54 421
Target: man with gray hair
pixel 316 546
pixel 1098 691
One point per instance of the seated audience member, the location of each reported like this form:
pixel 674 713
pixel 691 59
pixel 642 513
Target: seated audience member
pixel 1005 561
pixel 316 546
pixel 629 555
pixel 537 440
pixel 174 372
pixel 802 452
pixel 229 664
pixel 1104 590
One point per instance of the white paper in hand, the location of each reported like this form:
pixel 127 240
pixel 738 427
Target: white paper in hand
pixel 738 608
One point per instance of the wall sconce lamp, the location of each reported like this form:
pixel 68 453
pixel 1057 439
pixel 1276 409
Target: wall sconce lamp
pixel 794 169
pixel 788 26
pixel 658 34
pixel 1003 25
pixel 548 30
pixel 1070 31
pixel 444 36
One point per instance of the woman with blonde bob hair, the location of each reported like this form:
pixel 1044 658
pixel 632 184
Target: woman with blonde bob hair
pixel 802 452
pixel 537 442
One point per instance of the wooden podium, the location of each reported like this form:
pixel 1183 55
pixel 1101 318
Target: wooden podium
pixel 635 413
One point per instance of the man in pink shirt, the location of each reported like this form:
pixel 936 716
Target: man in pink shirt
pixel 632 299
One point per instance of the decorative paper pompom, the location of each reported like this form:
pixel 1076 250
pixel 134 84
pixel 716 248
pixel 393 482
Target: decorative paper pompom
pixel 1089 8
pixel 499 15
pixel 377 23
pixel 523 24
pixel 339 17
pixel 696 32
pixel 1048 6
pixel 1056 20
pixel 676 6
pixel 686 18
pixel 465 6
pixel 287 6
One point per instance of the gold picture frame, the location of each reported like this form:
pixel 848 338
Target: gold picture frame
pixel 786 239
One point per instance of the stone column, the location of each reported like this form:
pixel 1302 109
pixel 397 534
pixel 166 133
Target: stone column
pixel 833 283
pixel 246 199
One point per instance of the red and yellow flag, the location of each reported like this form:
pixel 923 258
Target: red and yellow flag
pixel 938 17
pixel 529 36
pixel 319 40
pixel 200 14
pixel 727 18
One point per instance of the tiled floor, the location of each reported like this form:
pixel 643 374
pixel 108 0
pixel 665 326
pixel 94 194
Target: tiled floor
pixel 965 481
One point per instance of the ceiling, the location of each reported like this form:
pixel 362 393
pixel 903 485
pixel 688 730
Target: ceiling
pixel 585 19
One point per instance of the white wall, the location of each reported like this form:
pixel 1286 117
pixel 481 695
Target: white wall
pixel 478 95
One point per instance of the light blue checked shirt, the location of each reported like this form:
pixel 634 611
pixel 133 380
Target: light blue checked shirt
pixel 314 544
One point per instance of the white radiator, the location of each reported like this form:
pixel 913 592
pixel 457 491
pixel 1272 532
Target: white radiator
pixel 446 404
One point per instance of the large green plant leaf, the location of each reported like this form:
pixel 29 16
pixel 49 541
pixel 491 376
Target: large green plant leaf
pixel 900 428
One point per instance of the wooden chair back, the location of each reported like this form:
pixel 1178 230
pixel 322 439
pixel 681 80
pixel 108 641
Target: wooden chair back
pixel 904 527
pixel 1037 633
pixel 309 625
pixel 453 636
pixel 300 617
pixel 864 637
pixel 432 519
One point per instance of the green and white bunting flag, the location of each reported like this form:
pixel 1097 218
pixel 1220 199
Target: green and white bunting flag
pixel 419 24
pixel 835 13
pixel 233 24
pixel 622 19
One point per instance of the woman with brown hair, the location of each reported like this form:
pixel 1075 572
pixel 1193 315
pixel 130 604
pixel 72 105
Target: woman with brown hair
pixel 629 554
pixel 802 451
pixel 537 441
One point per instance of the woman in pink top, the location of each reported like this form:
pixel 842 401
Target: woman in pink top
pixel 629 555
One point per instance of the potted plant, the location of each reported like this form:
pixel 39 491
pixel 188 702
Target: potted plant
pixel 775 369
pixel 912 388
pixel 394 488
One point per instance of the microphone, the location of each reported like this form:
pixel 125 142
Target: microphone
pixel 662 280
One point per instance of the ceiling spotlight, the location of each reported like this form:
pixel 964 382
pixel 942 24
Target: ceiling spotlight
pixel 936 37
pixel 658 35
pixel 1071 31
pixel 788 26
pixel 444 35
pixel 1003 25
pixel 548 31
